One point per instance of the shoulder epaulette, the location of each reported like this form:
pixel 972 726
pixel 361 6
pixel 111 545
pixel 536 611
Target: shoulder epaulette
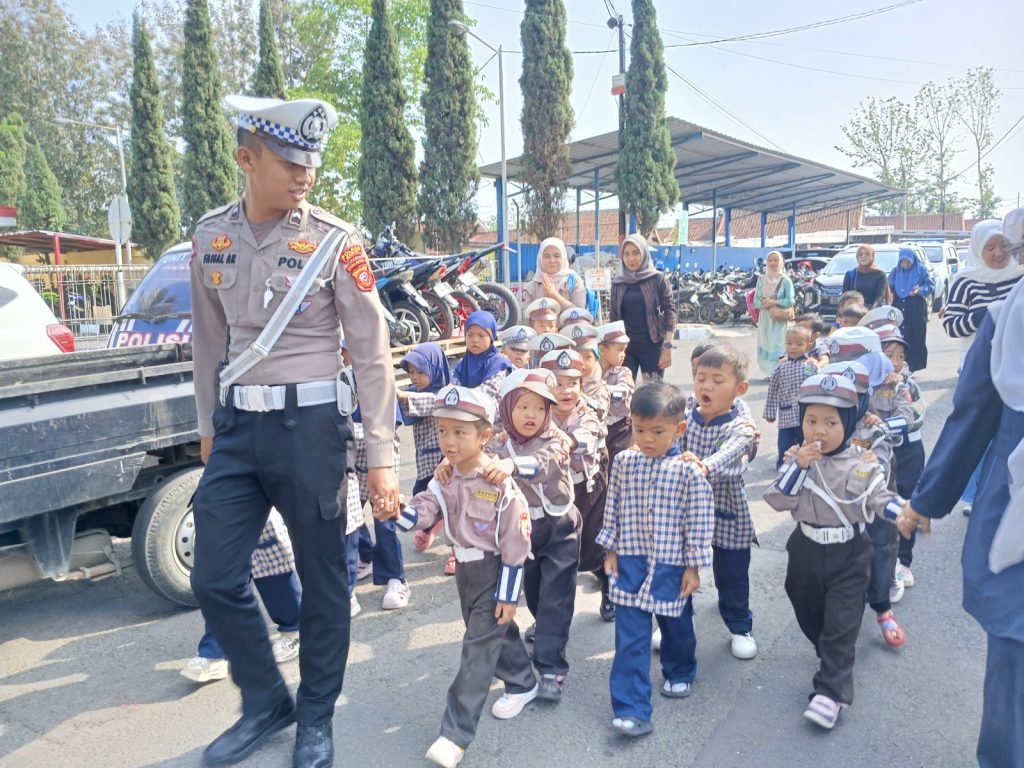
pixel 216 212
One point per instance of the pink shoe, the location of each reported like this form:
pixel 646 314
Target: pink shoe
pixel 449 567
pixel 424 540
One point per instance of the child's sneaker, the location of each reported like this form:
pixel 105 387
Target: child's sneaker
pixel 630 726
pixel 743 646
pixel 397 595
pixel 286 647
pixel 200 670
pixel 896 589
pixel 363 570
pixel 676 690
pixel 550 687
pixel 656 640
pixel 445 753
pixel 355 608
pixel 823 711
pixel 903 572
pixel 449 567
pixel 511 704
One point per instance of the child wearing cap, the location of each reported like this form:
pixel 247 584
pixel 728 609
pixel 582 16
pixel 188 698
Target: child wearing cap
pixel 543 343
pixel 542 315
pixel 487 522
pixel 595 391
pixel 719 441
pixel 612 341
pixel 782 388
pixel 657 534
pixel 427 366
pixel 574 316
pixel 533 453
pixel 832 493
pixel 515 344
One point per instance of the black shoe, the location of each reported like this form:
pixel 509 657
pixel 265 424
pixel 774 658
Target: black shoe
pixel 607 609
pixel 549 687
pixel 248 733
pixel 314 746
pixel 530 633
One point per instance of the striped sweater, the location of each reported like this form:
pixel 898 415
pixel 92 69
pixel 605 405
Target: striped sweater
pixel 968 303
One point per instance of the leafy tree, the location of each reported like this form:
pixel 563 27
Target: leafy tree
pixel 387 166
pixel 41 206
pixel 13 153
pixel 547 117
pixel 937 108
pixel 449 174
pixel 209 178
pixel 645 175
pixel 978 104
pixel 156 217
pixel 269 77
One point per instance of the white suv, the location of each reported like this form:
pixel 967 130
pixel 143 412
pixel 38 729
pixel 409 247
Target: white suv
pixel 27 326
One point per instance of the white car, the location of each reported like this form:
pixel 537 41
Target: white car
pixel 28 328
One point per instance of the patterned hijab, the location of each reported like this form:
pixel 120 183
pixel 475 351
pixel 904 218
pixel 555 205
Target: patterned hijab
pixel 647 269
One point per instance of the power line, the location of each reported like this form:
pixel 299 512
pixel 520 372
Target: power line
pixel 991 148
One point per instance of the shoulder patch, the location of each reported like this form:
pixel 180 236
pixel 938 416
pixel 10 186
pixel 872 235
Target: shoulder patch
pixel 353 258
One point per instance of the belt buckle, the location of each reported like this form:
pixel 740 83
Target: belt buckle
pixel 254 399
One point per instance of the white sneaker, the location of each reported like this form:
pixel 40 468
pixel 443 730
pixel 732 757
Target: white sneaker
pixel 511 704
pixel 896 589
pixel 286 647
pixel 743 646
pixel 445 753
pixel 200 670
pixel 656 640
pixel 356 608
pixel 904 572
pixel 397 595
pixel 363 570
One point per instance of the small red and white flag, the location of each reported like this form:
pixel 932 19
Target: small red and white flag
pixel 8 216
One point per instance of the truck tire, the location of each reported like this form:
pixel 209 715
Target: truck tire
pixel 163 537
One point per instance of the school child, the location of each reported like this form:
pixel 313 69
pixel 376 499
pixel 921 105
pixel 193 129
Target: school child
pixel 863 345
pixel 657 534
pixel 482 367
pixel 782 388
pixel 273 575
pixel 847 299
pixel 427 366
pixel 612 341
pixel 832 493
pixel 487 522
pixel 542 315
pixel 909 453
pixel 547 342
pixel 574 315
pixel 813 322
pixel 851 315
pixel 354 522
pixel 533 453
pixel 719 441
pixel 595 391
pixel 691 400
pixel 515 344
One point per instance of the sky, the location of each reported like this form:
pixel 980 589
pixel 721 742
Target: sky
pixel 791 91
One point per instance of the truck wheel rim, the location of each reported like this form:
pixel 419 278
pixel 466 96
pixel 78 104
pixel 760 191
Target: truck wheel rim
pixel 185 540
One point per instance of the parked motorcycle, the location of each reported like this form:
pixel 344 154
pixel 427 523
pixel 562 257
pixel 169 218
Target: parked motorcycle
pixel 404 308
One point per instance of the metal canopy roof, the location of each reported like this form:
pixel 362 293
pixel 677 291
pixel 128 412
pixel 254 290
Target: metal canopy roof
pixel 711 166
pixel 43 241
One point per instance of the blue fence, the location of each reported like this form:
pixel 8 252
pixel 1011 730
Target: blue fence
pixel 690 257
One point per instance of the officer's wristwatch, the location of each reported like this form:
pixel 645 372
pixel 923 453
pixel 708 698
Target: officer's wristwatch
pixel 668 345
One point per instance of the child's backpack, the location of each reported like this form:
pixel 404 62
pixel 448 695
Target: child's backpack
pixel 593 305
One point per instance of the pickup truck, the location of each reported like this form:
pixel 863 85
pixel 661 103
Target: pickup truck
pixel 99 444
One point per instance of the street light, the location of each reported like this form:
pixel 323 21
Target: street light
pixel 460 28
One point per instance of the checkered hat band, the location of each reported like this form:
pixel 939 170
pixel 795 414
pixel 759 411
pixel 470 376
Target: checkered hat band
pixel 283 132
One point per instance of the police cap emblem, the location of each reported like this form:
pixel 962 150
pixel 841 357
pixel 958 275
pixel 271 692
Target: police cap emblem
pixel 850 374
pixel 833 347
pixel 564 361
pixel 892 315
pixel 547 345
pixel 314 125
pixel 452 398
pixel 829 384
pixel 577 332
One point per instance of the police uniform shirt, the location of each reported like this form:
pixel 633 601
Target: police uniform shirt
pixel 583 426
pixel 893 404
pixel 847 475
pixel 597 396
pixel 238 283
pixel 541 458
pixel 619 380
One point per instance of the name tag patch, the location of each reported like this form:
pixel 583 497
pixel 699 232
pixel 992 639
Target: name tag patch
pixel 485 495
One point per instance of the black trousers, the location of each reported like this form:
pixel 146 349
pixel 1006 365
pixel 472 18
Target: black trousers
pixel 826 584
pixel 643 355
pixel 883 563
pixel 549 581
pixel 591 507
pixel 489 650
pixel 909 466
pixel 294 460
pixel 620 437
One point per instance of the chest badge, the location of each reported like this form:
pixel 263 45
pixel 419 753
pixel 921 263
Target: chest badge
pixel 217 278
pixel 220 242
pixel 485 495
pixel 301 247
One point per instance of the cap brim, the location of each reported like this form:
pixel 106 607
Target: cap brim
pixel 538 389
pixel 458 415
pixel 542 314
pixel 307 158
pixel 523 346
pixel 838 402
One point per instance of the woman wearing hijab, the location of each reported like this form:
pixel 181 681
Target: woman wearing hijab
pixel 643 300
pixel 554 278
pixel 774 292
pixel 868 279
pixel 911 286
pixel 987 426
pixel 483 367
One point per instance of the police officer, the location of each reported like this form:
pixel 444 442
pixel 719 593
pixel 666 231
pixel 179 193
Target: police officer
pixel 277 436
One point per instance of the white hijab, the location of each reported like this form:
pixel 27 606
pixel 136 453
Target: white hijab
pixel 975 267
pixel 1008 377
pixel 564 270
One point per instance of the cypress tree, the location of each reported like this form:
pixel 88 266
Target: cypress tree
pixel 645 175
pixel 40 206
pixel 387 165
pixel 449 174
pixel 156 217
pixel 268 80
pixel 208 177
pixel 13 153
pixel 547 118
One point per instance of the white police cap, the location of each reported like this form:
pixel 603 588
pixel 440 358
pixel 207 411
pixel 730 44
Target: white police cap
pixel 463 404
pixel 546 342
pixel 517 337
pixel 293 130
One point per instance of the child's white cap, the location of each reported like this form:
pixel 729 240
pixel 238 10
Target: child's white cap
pixel 563 362
pixel 536 380
pixel 542 309
pixel 463 404
pixel 517 337
pixel 546 342
pixel 850 343
pixel 613 333
pixel 575 315
pixel 584 335
pixel 884 315
pixel 829 389
pixel 853 371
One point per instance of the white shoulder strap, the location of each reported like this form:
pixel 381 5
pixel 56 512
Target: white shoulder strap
pixel 549 508
pixel 435 488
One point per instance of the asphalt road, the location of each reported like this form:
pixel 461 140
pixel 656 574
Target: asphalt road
pixel 89 671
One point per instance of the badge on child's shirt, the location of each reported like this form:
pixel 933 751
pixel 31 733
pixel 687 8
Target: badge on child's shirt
pixel 484 495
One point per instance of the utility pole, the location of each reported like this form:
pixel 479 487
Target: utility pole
pixel 620 89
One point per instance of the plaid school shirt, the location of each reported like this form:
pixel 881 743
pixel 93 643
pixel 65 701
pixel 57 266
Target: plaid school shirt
pixel 420 405
pixel 742 410
pixel 783 388
pixel 273 554
pixel 724 446
pixel 361 461
pixel 658 520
